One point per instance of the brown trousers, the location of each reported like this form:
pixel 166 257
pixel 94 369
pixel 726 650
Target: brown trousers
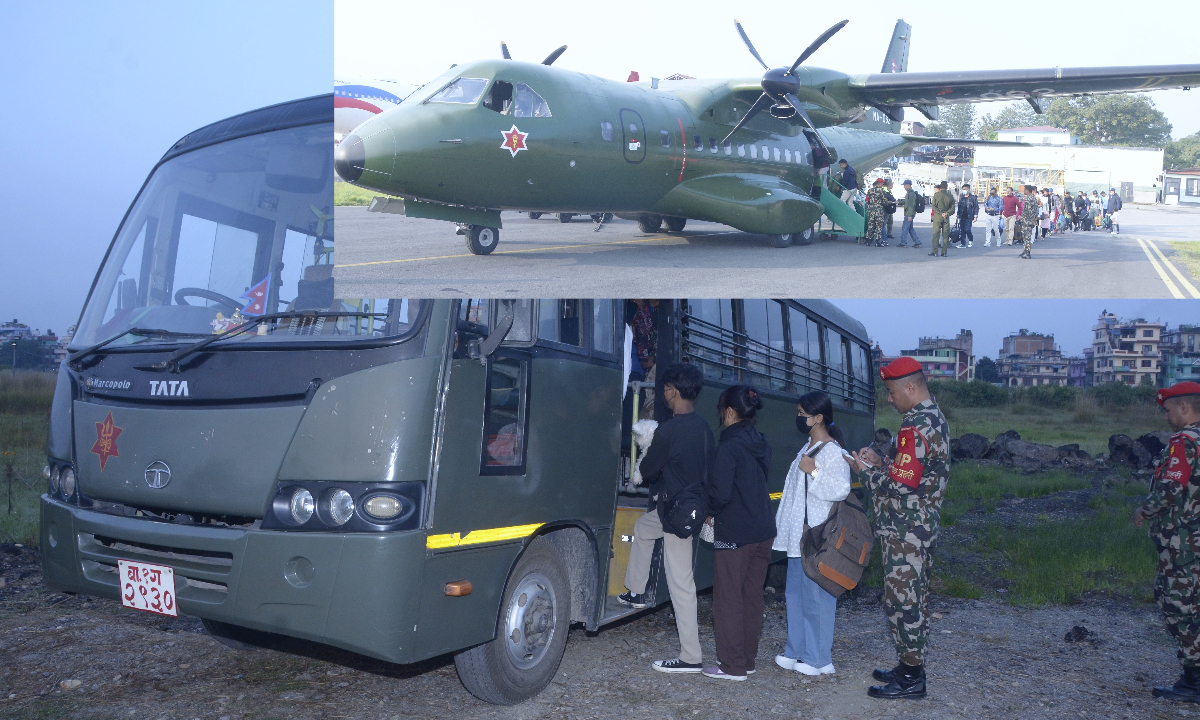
pixel 738 578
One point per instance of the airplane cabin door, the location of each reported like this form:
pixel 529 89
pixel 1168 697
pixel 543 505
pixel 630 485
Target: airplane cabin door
pixel 633 135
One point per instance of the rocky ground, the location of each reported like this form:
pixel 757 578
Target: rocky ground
pixel 66 656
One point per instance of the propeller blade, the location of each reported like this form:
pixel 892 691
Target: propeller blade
pixel 746 39
pixel 554 55
pixel 816 44
pixel 504 50
pixel 795 103
pixel 763 101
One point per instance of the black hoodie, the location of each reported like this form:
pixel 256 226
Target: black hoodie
pixel 738 498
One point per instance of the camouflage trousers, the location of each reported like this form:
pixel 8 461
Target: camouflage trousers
pixel 1026 233
pixel 874 224
pixel 1177 594
pixel 906 568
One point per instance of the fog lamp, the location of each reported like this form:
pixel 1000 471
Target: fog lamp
pixel 301 506
pixel 67 480
pixel 383 507
pixel 341 506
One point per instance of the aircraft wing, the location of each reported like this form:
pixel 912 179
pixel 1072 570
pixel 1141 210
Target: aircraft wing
pixel 915 89
pixel 930 140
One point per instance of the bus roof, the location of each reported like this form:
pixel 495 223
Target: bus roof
pixel 837 317
pixel 294 113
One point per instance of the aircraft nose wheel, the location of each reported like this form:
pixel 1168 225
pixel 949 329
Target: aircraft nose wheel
pixel 482 240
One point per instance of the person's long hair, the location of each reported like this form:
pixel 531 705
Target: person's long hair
pixel 818 403
pixel 744 400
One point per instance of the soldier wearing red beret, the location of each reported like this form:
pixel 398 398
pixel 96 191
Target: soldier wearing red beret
pixel 907 498
pixel 1173 512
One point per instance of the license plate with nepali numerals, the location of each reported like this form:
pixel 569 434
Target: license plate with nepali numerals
pixel 148 587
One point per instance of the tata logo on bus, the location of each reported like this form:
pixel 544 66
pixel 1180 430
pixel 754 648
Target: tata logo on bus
pixel 158 475
pixel 170 388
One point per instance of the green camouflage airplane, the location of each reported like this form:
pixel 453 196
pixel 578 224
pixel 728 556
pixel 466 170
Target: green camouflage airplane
pixel 501 134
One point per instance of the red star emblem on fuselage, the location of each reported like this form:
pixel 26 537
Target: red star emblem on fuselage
pixel 105 446
pixel 514 141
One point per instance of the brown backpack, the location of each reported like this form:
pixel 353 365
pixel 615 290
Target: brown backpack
pixel 836 552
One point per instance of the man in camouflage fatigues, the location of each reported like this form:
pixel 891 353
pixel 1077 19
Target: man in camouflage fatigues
pixel 876 199
pixel 943 205
pixel 1029 220
pixel 907 495
pixel 1173 511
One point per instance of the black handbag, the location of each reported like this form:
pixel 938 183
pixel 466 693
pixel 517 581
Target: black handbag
pixel 684 512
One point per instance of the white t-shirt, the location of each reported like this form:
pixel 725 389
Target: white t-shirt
pixel 827 485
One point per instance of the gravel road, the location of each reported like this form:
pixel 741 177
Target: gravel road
pixel 64 656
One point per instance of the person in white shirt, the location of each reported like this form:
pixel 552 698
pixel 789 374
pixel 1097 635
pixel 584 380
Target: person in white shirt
pixel 818 477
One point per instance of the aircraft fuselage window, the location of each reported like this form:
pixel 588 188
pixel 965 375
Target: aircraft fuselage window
pixel 741 150
pixel 606 131
pixel 728 149
pixel 665 138
pixel 463 91
pixel 529 104
pixel 776 154
pixel 712 144
pixel 500 98
pixel 753 152
pixel 766 152
pixel 787 155
pixel 699 142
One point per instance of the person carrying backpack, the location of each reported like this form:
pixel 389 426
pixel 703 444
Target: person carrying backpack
pixel 677 463
pixel 1114 210
pixel 913 204
pixel 739 505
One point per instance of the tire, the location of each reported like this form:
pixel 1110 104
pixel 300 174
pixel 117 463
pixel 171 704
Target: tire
pixel 649 223
pixel 597 217
pixel 507 672
pixel 237 637
pixel 565 217
pixel 804 237
pixel 608 217
pixel 779 241
pixel 534 216
pixel 675 224
pixel 482 240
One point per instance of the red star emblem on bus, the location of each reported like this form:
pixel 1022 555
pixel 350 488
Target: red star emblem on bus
pixel 514 141
pixel 105 446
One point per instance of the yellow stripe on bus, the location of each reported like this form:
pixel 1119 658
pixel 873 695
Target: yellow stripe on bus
pixel 476 537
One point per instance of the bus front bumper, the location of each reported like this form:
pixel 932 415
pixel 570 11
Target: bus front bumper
pixel 356 591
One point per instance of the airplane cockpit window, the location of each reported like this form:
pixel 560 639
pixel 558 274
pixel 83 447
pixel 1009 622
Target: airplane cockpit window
pixel 463 91
pixel 529 104
pixel 500 98
pixel 606 131
pixel 664 138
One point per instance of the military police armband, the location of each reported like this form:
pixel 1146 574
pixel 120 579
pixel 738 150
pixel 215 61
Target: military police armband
pixel 1178 468
pixel 906 468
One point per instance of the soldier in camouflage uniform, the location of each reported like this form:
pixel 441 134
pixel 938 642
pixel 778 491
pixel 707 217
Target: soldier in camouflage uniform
pixel 906 495
pixel 1173 511
pixel 1029 220
pixel 876 199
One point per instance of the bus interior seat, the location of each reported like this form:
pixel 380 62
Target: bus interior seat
pixel 315 291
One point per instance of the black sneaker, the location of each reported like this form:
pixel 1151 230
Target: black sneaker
pixel 633 600
pixel 677 666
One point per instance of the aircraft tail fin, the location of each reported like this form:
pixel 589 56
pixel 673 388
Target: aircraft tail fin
pixel 896 60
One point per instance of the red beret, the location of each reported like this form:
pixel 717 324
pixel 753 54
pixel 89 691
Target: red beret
pixel 900 367
pixel 1177 390
pixel 879 181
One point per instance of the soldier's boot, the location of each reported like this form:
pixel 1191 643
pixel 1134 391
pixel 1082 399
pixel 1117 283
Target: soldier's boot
pixel 1187 689
pixel 884 676
pixel 908 681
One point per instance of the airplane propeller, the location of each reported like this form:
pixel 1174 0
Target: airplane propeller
pixel 780 86
pixel 549 58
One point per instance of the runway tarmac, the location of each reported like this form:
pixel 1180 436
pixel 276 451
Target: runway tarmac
pixel 385 255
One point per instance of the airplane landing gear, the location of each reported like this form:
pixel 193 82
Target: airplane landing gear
pixel 805 237
pixel 675 224
pixel 482 240
pixel 534 215
pixel 565 217
pixel 649 223
pixel 779 241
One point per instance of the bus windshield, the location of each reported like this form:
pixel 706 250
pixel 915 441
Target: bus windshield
pixel 228 232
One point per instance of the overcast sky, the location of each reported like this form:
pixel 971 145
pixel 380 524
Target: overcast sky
pixel 95 93
pixel 414 42
pixel 897 324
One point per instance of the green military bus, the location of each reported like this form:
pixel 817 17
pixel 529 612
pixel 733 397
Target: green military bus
pixel 233 439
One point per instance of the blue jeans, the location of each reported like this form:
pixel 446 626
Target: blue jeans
pixel 906 229
pixel 810 615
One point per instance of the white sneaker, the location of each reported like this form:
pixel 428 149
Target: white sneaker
pixel 988 243
pixel 805 669
pixel 785 662
pixel 971 244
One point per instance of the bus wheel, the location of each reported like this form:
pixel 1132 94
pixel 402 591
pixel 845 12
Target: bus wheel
pixel 675 224
pixel 779 241
pixel 804 237
pixel 530 637
pixel 482 240
pixel 237 637
pixel 534 216
pixel 649 223
pixel 565 217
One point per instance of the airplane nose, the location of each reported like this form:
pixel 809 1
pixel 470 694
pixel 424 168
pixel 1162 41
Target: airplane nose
pixel 350 158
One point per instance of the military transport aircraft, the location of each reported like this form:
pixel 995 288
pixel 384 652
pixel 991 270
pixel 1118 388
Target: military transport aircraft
pixel 501 134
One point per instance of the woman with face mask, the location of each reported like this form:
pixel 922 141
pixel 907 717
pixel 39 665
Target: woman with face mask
pixel 739 507
pixel 818 477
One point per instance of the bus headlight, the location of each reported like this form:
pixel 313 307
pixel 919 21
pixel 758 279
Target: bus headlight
pixel 301 506
pixel 383 507
pixel 53 479
pixel 67 481
pixel 341 507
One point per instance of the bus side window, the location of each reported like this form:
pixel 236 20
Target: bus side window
pixel 505 420
pixel 560 321
pixel 602 327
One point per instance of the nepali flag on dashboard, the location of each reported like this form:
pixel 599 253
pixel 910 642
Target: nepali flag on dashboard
pixel 256 298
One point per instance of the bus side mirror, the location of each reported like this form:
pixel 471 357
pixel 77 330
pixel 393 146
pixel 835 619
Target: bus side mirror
pixel 515 325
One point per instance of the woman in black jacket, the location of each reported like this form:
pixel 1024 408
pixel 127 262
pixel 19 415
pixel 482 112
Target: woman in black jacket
pixel 739 507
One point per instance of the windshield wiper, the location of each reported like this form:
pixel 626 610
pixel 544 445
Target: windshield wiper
pixel 79 355
pixel 172 361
